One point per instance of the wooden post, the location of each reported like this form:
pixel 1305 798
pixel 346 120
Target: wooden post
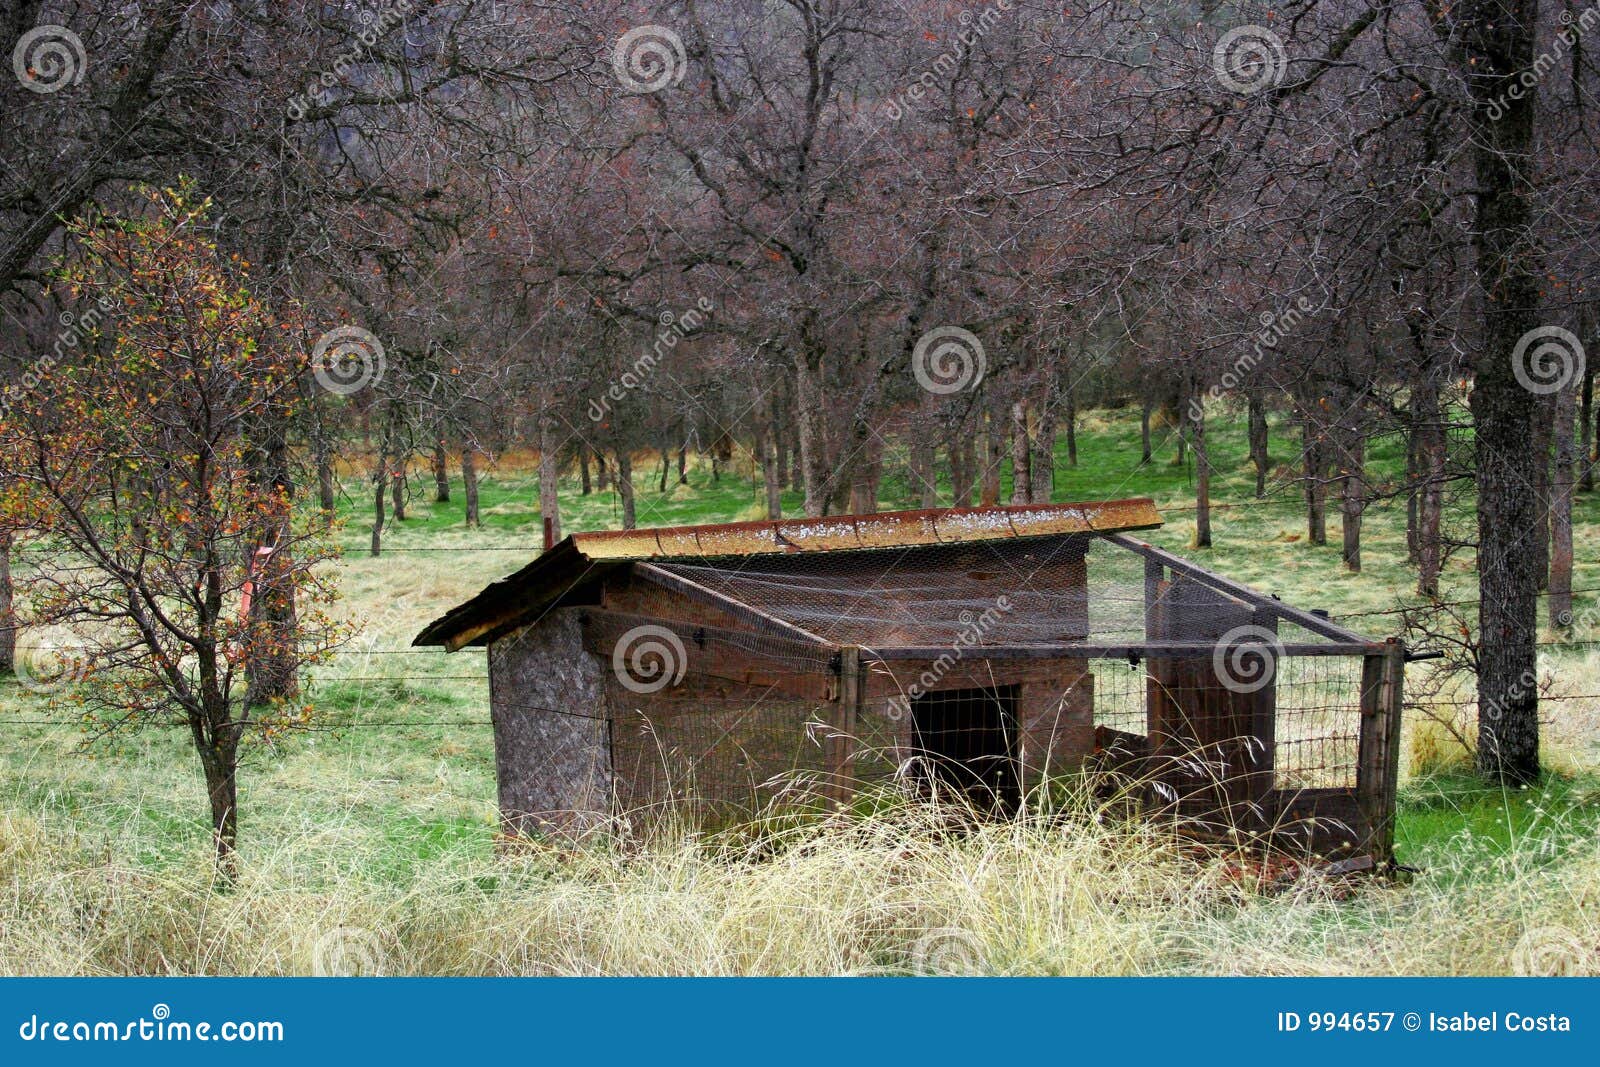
pixel 1378 770
pixel 1264 724
pixel 842 746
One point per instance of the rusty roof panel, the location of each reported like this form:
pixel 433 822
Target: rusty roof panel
pixel 618 544
pixel 828 534
pixel 575 560
pixel 896 528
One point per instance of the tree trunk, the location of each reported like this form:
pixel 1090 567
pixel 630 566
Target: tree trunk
pixel 922 458
pixel 993 450
pixel 1202 473
pixel 771 475
pixel 1314 467
pixel 377 511
pixel 630 516
pixel 1542 419
pixel 1021 455
pixel 327 493
pixel 1352 497
pixel 813 446
pixel 1259 455
pixel 602 473
pixel 1430 432
pixel 1562 484
pixel 1586 434
pixel 441 473
pixel 683 462
pixel 585 485
pixel 1144 432
pixel 963 463
pixel 1042 466
pixel 469 484
pixel 1495 40
pixel 666 467
pixel 397 484
pixel 549 478
pixel 1071 419
pixel 8 618
pixel 220 761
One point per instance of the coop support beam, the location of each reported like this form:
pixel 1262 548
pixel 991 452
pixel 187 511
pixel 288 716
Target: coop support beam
pixel 1112 650
pixel 1178 565
pixel 1264 720
pixel 847 719
pixel 737 608
pixel 1378 758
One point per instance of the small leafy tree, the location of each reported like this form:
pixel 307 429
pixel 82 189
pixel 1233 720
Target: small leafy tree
pixel 129 466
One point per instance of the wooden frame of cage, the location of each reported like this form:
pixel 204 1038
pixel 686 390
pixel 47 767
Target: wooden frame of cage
pixel 1369 806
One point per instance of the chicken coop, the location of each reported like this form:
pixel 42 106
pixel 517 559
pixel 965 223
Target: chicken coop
pixel 981 652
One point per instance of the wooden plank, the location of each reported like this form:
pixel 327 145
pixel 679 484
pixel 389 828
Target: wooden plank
pixel 1378 756
pixel 842 746
pixel 737 608
pixel 1315 623
pixel 1104 650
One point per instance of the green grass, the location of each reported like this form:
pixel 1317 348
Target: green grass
pixel 392 826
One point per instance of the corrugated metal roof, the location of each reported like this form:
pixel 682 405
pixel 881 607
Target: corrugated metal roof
pixel 889 529
pixel 583 557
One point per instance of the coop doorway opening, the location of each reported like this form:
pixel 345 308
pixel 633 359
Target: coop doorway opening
pixel 966 741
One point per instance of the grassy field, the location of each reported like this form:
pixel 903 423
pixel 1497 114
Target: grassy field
pixel 369 845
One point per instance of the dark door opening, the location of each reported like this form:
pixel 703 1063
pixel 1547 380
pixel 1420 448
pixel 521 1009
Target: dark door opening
pixel 967 741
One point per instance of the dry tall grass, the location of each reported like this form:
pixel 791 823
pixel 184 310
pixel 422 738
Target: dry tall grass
pixel 893 893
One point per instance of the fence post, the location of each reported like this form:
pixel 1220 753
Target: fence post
pixel 842 752
pixel 1378 759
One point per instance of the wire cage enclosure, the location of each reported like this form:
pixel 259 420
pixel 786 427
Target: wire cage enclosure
pixel 979 652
